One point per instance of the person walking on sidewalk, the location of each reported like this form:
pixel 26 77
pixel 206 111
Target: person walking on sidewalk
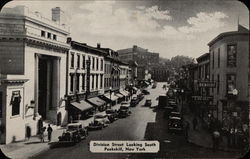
pixel 216 139
pixel 195 122
pixel 49 130
pixel 42 134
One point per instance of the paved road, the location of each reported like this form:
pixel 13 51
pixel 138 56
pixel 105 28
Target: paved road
pixel 144 123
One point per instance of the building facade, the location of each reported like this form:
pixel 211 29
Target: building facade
pixel 85 80
pixel 33 53
pixel 229 67
pixel 141 56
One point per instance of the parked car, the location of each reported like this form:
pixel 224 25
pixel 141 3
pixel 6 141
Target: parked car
pixel 75 132
pixel 140 96
pixel 134 101
pixel 112 114
pixel 175 124
pixel 148 102
pixel 102 117
pixel 146 92
pixel 96 124
pixel 175 114
pixel 124 111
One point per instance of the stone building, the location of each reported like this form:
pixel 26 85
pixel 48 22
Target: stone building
pixel 33 52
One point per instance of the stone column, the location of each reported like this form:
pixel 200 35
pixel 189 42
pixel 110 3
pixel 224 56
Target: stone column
pixel 36 85
pixel 56 83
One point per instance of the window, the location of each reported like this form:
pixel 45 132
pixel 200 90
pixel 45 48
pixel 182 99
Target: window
pixel 218 84
pixel 101 64
pixel 77 82
pixel 83 62
pixel 213 81
pixel 231 55
pixel 15 102
pixel 71 82
pixel 231 83
pixel 96 81
pixel 54 37
pixel 213 59
pixel 93 63
pixel 101 80
pixel 78 61
pixel 1 104
pixel 218 57
pixel 42 33
pixel 72 60
pixel 93 80
pixel 83 81
pixel 49 35
pixel 97 63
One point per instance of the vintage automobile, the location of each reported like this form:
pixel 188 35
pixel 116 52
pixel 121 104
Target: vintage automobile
pixel 175 124
pixel 74 133
pixel 96 124
pixel 134 101
pixel 140 96
pixel 103 118
pixel 146 92
pixel 124 111
pixel 112 114
pixel 175 114
pixel 148 102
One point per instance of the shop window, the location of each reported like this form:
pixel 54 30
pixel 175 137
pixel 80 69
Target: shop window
pixel 231 55
pixel 15 102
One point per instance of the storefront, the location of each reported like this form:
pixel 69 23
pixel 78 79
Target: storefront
pixel 80 110
pixel 98 103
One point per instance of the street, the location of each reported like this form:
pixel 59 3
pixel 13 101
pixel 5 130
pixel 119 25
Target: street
pixel 144 124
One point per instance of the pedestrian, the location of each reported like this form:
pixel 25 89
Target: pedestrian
pixel 28 132
pixel 42 134
pixel 49 130
pixel 195 122
pixel 216 139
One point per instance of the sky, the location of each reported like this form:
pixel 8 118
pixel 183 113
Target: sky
pixel 167 27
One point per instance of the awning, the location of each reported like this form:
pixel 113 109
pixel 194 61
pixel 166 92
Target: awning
pixel 119 95
pixel 113 97
pixel 96 101
pixel 125 93
pixel 82 106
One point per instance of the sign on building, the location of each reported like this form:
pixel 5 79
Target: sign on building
pixel 207 84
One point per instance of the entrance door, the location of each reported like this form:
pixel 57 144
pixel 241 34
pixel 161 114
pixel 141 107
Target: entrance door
pixel 42 78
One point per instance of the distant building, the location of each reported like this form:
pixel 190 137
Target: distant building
pixel 33 53
pixel 141 56
pixel 229 67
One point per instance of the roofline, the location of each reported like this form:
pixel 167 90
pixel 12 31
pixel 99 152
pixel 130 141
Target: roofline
pixel 221 35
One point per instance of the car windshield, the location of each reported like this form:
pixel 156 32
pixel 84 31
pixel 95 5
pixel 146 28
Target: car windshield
pixel 99 116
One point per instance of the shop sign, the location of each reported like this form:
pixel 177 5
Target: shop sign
pixel 206 84
pixel 202 98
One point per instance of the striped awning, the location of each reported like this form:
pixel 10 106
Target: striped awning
pixel 82 106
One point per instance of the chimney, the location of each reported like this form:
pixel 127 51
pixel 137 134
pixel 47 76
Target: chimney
pixel 98 45
pixel 58 15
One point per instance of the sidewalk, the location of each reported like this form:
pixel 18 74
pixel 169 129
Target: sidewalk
pixel 33 146
pixel 202 137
